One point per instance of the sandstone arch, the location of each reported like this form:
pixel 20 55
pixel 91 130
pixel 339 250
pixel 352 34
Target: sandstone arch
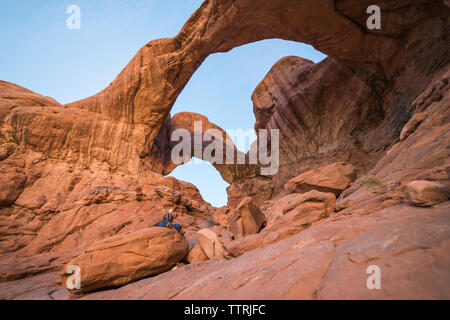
pixel 229 172
pixel 121 124
pixel 146 89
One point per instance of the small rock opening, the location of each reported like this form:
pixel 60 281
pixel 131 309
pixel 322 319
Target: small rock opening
pixel 206 178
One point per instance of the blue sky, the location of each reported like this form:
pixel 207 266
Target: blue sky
pixel 39 52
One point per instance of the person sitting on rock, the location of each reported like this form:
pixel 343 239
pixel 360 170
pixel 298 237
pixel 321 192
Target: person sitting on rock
pixel 167 221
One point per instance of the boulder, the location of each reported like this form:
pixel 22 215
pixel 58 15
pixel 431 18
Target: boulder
pixel 210 243
pixel 247 219
pixel 334 178
pixel 344 204
pixel 427 193
pixel 412 124
pixel 197 254
pixel 301 209
pixel 409 244
pixel 222 217
pixel 127 257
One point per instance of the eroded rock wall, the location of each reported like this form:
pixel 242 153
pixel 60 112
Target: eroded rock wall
pixel 77 174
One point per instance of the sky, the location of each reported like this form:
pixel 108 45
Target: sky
pixel 39 52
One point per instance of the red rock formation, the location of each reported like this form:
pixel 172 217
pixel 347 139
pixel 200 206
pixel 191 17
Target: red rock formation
pixel 197 255
pixel 120 124
pixel 427 193
pixel 333 178
pixel 229 167
pixel 327 261
pixel 222 217
pixel 247 219
pixel 127 257
pixel 301 209
pixel 74 175
pixel 210 243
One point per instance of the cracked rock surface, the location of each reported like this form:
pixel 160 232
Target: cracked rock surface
pixel 79 179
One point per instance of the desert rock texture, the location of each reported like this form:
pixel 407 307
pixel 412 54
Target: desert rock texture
pixel 363 178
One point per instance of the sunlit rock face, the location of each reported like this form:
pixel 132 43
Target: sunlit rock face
pixel 78 174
